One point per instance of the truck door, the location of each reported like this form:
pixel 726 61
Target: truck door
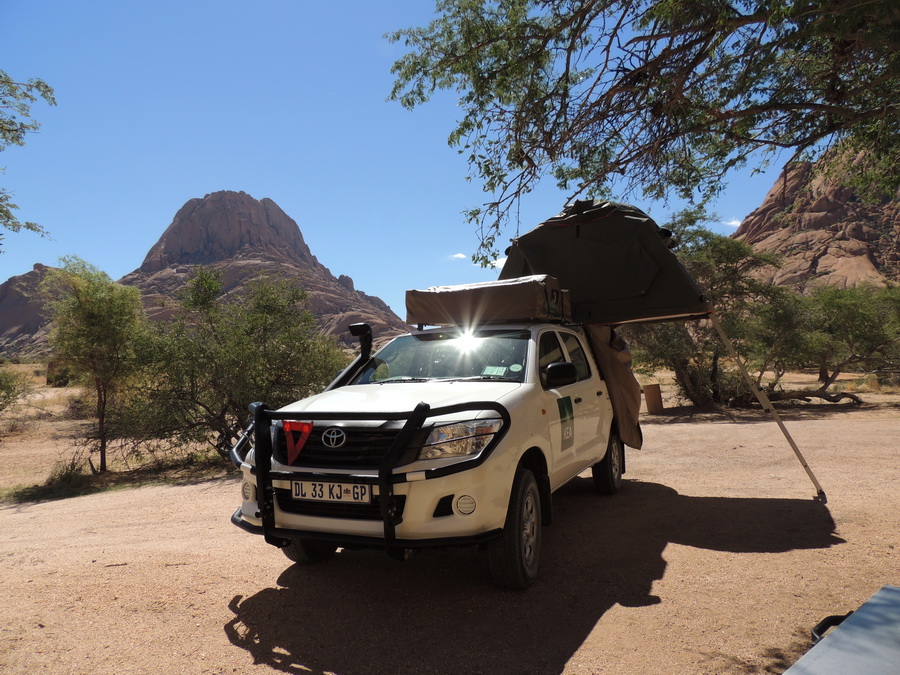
pixel 591 403
pixel 562 411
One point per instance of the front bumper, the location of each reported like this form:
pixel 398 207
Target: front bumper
pixel 462 505
pixel 414 510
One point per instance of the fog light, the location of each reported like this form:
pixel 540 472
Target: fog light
pixel 465 505
pixel 248 491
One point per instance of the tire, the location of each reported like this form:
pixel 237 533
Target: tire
pixel 309 551
pixel 514 557
pixel 608 471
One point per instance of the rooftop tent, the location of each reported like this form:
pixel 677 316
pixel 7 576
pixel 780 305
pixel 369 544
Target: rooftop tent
pixel 615 262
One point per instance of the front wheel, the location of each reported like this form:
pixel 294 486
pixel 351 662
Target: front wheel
pixel 515 556
pixel 308 551
pixel 608 471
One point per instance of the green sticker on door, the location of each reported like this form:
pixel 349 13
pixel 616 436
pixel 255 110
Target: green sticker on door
pixel 566 422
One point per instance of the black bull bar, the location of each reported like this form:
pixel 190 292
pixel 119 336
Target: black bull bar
pixel 391 516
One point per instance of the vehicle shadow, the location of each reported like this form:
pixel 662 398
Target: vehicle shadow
pixel 438 613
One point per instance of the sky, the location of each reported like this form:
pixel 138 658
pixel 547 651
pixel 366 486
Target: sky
pixel 161 102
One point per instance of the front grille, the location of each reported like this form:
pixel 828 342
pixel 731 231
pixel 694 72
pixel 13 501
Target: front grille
pixel 302 507
pixel 364 449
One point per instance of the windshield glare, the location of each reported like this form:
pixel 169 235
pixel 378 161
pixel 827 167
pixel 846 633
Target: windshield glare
pixel 480 355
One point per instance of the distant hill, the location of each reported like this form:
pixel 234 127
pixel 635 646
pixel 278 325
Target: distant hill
pixel 823 233
pixel 231 232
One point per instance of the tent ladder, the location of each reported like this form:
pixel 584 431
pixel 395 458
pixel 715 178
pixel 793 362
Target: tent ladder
pixel 766 404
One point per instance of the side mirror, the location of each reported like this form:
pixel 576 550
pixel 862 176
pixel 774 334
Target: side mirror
pixel 560 374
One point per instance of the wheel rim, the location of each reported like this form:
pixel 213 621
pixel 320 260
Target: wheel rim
pixel 530 525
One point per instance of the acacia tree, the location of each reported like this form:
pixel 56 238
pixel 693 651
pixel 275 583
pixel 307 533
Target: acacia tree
pixel 853 328
pixel 96 323
pixel 660 97
pixel 220 353
pixel 832 330
pixel 15 123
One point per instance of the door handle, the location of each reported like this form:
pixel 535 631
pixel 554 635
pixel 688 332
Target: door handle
pixel 578 400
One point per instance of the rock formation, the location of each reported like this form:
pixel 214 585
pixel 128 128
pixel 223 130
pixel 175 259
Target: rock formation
pixel 233 233
pixel 23 322
pixel 823 233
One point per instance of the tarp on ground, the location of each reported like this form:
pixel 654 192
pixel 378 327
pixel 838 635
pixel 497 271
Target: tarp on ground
pixel 615 262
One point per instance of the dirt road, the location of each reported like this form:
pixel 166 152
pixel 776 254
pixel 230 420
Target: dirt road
pixel 713 559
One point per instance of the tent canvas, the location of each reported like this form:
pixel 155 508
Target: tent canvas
pixel 614 260
pixel 614 359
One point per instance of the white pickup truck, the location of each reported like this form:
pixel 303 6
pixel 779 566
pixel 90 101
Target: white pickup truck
pixel 445 436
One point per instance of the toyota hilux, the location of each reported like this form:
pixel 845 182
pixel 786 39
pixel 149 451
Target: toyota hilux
pixel 451 435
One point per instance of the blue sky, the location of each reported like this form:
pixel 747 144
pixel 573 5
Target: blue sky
pixel 162 102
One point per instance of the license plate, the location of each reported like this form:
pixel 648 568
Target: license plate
pixel 318 491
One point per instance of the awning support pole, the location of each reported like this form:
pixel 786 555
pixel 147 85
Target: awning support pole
pixel 766 404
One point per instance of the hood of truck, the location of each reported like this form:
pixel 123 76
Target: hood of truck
pixel 396 397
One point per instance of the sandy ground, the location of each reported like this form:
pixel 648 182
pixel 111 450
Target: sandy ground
pixel 714 558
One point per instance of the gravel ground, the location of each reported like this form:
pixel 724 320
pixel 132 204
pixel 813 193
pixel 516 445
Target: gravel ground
pixel 714 558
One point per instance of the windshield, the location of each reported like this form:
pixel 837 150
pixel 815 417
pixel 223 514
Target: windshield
pixel 452 355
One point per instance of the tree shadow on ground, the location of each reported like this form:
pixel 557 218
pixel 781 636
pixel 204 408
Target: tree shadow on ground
pixel 438 613
pixel 76 483
pixel 788 411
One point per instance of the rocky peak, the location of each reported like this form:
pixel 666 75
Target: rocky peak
pixel 226 225
pixel 823 233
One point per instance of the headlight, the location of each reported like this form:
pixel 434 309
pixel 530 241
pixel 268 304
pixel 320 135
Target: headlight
pixel 460 438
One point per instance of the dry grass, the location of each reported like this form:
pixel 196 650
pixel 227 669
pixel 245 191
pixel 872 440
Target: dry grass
pixel 41 403
pixel 45 448
pixel 36 373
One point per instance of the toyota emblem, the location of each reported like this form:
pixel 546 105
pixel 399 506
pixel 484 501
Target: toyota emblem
pixel 334 437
